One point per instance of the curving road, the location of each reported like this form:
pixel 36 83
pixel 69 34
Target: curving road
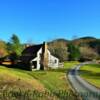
pixel 83 88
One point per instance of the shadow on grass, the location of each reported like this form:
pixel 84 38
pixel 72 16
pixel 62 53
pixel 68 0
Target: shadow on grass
pixel 94 65
pixel 26 67
pixel 17 66
pixel 89 74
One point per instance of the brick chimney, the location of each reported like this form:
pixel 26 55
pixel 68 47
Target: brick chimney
pixel 45 55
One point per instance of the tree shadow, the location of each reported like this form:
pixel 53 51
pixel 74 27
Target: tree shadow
pixel 89 74
pixel 95 65
pixel 17 66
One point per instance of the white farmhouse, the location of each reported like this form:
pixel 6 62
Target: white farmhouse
pixel 39 57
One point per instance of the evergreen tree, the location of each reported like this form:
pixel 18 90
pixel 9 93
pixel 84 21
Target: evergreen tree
pixel 74 52
pixel 14 45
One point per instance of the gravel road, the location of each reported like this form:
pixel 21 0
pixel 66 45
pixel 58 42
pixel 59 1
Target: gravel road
pixel 83 88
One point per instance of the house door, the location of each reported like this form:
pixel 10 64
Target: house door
pixel 34 64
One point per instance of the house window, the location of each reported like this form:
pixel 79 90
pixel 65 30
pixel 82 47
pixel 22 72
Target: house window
pixel 55 61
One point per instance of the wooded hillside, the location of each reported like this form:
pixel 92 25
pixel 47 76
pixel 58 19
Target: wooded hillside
pixel 85 48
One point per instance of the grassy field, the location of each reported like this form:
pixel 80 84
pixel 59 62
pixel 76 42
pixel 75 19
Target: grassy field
pixel 53 81
pixel 91 73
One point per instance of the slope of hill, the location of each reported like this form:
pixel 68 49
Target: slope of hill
pixel 36 85
pixel 60 40
pixel 84 40
pixel 17 79
pixel 75 41
pixel 88 41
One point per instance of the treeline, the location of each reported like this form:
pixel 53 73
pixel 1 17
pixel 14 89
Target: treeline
pixel 82 49
pixel 12 48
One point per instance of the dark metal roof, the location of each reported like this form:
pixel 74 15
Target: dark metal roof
pixel 32 49
pixel 30 52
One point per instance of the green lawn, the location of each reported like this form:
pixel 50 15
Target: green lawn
pixel 91 73
pixel 55 78
pixel 54 81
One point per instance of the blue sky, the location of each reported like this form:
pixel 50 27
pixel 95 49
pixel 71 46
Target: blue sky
pixel 44 20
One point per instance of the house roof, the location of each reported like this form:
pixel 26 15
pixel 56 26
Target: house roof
pixel 32 49
pixel 30 52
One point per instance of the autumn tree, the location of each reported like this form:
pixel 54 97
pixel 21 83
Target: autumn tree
pixel 88 53
pixel 59 49
pixel 3 51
